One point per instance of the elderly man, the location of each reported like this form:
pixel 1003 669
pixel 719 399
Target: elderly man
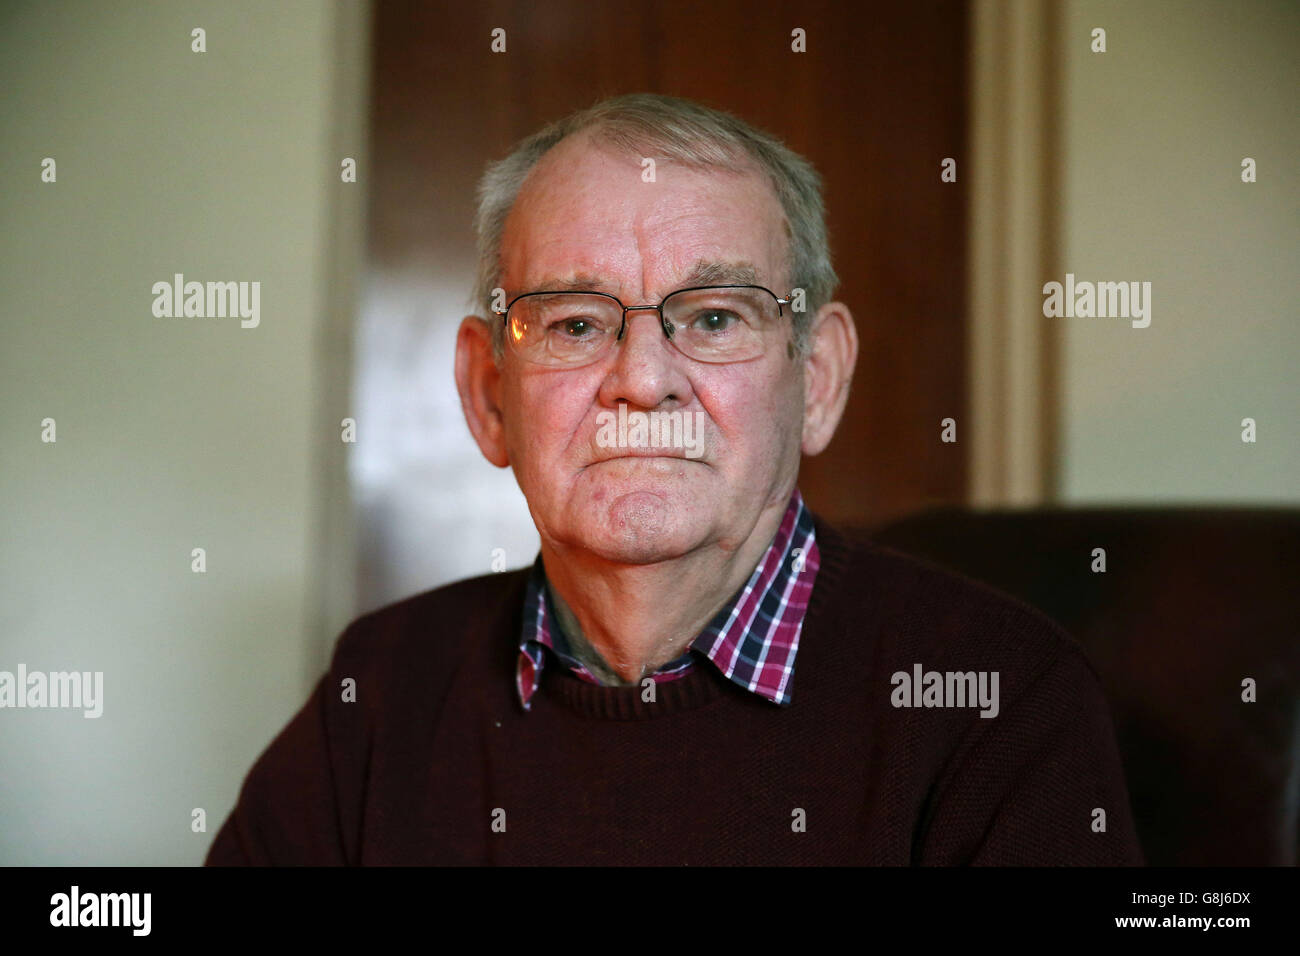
pixel 696 670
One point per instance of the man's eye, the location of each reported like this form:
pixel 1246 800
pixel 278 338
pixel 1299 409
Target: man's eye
pixel 714 320
pixel 575 328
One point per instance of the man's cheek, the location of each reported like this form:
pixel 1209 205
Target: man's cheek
pixel 544 454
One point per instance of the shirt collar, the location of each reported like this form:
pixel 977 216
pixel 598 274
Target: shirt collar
pixel 752 641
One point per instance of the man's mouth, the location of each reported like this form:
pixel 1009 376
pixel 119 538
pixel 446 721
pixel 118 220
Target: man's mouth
pixel 644 453
pixel 644 460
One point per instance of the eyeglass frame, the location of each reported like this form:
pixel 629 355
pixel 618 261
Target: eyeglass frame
pixel 663 321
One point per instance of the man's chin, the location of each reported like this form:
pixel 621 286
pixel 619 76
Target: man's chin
pixel 639 526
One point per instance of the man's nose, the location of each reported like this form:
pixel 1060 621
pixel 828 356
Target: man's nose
pixel 647 367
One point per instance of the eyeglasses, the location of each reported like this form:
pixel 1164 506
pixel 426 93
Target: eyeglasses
pixel 731 323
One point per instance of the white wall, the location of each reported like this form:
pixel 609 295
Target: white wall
pixel 172 433
pixel 1154 131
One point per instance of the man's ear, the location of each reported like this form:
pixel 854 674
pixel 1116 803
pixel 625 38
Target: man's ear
pixel 478 380
pixel 828 372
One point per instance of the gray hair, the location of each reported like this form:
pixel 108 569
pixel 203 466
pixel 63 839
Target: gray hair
pixel 696 136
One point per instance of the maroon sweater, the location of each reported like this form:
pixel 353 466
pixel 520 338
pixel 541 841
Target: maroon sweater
pixel 436 763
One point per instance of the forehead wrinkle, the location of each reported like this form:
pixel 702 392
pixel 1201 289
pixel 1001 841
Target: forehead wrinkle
pixel 647 228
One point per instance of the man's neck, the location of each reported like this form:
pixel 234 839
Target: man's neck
pixel 624 622
pixel 582 650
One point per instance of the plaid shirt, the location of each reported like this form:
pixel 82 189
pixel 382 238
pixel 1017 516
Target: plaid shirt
pixel 752 640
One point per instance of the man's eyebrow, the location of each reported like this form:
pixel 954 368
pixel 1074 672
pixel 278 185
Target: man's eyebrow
pixel 576 282
pixel 573 282
pixel 704 272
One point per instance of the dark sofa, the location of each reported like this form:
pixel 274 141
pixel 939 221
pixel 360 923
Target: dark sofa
pixel 1192 602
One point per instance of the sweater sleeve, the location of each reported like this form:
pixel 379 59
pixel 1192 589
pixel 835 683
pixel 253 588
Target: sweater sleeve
pixel 1039 785
pixel 287 813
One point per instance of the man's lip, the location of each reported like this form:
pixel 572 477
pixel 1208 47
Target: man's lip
pixel 667 454
pixel 650 453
